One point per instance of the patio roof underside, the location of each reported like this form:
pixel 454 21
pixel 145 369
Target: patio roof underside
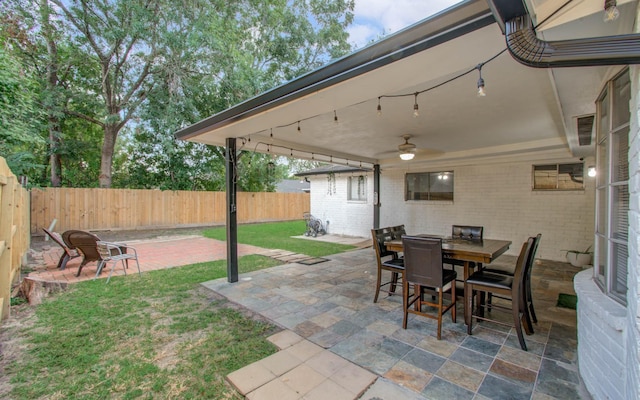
pixel 527 112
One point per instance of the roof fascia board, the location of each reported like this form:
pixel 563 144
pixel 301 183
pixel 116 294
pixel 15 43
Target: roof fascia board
pixel 455 22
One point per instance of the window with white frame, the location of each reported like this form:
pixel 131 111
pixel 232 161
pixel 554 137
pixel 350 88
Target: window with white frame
pixel 357 187
pixel 612 187
pixel 558 176
pixel 429 186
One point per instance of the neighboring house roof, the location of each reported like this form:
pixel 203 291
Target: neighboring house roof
pixel 336 169
pixel 292 186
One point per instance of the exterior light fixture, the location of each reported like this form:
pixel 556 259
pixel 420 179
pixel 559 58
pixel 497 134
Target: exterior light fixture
pixel 407 150
pixel 611 12
pixel 416 113
pixel 481 92
pixel 591 171
pixel 379 108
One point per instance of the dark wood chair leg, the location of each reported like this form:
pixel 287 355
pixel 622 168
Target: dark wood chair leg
pixel 532 313
pixel 468 309
pixel 375 299
pixel 394 282
pixel 518 326
pixel 405 303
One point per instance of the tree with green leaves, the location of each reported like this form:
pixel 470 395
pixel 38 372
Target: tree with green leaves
pixel 158 66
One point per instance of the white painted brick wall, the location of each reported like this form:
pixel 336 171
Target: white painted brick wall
pixel 351 218
pixel 498 197
pixel 633 279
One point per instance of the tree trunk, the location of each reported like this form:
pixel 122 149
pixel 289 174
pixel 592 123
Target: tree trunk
pixel 108 146
pixel 52 83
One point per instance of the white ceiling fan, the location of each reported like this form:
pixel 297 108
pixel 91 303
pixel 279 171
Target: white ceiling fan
pixel 407 150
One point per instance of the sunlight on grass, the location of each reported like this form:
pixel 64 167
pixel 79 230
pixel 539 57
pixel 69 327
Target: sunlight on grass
pixel 161 335
pixel 277 235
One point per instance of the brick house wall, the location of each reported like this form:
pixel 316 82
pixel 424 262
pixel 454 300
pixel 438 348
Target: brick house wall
pixel 497 196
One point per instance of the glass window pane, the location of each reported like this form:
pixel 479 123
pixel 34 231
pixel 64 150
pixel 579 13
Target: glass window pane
pixel 604 115
pixel 601 212
pixel 602 162
pixel 619 259
pixel 620 212
pixel 570 176
pixel 621 95
pixel 601 254
pixel 545 176
pixel 619 154
pixel 429 186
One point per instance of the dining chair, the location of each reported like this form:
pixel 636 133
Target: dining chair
pixel 424 270
pixel 115 252
pixel 68 253
pixel 499 269
pixel 464 232
pixel 85 243
pixel 483 282
pixel 387 261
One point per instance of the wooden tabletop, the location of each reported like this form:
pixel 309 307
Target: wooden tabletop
pixel 483 251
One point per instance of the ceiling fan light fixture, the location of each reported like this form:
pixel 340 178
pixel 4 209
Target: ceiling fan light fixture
pixel 407 150
pixel 406 156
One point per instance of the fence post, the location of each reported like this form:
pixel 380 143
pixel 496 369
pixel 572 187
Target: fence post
pixel 7 194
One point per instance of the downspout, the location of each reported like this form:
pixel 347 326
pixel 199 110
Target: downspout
pixel 527 49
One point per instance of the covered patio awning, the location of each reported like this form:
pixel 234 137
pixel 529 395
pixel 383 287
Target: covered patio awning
pixel 527 111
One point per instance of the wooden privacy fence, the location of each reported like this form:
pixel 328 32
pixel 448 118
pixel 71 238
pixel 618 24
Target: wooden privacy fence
pixel 119 209
pixel 14 233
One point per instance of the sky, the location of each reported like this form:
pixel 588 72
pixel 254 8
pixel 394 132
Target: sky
pixel 376 18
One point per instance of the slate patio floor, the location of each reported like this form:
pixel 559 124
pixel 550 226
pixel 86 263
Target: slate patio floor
pixel 330 306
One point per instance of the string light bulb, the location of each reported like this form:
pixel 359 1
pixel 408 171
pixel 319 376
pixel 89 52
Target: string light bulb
pixel 611 12
pixel 299 130
pixel 335 117
pixel 481 92
pixel 379 108
pixel 416 113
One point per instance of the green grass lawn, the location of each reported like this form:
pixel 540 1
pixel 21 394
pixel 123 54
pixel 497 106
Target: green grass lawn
pixel 156 336
pixel 277 235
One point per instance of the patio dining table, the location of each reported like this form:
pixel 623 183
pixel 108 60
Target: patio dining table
pixel 470 252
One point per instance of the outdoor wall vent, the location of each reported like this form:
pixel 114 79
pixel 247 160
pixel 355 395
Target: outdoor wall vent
pixel 585 129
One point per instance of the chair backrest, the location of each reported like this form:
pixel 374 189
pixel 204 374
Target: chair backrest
pixel 530 260
pixel 55 236
pixel 522 268
pixel 397 232
pixel 423 260
pixel 466 232
pixel 83 241
pixel 379 237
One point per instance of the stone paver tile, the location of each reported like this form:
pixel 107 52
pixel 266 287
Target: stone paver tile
pixel 280 362
pixel 304 350
pixel 250 377
pixel 325 320
pixel 472 359
pixel 385 389
pixel 274 390
pixel 302 379
pixel 439 347
pixel 461 375
pixel 481 346
pixel 520 358
pixel 284 339
pixel 307 328
pixel 326 363
pixel 328 390
pixel 424 360
pixel 500 389
pixel 353 378
pixel 439 389
pixel 408 375
pixel 383 327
